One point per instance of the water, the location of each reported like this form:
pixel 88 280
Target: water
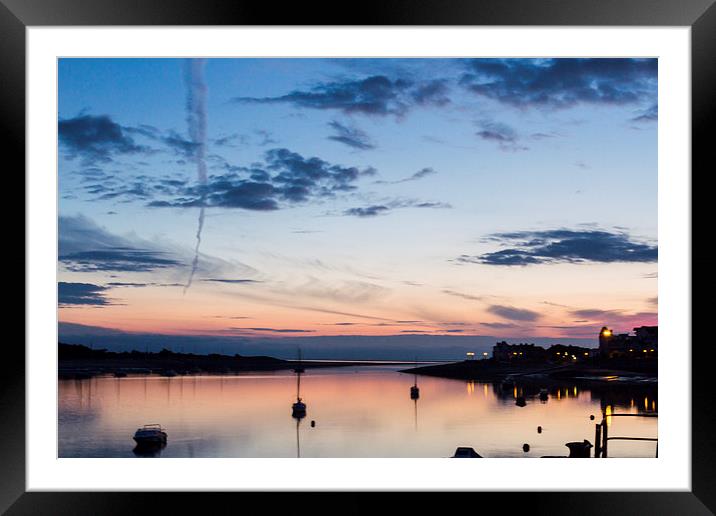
pixel 358 412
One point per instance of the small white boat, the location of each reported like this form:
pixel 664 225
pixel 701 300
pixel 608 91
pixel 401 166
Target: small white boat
pixel 152 434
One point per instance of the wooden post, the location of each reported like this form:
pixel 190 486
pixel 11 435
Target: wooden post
pixel 597 440
pixel 605 438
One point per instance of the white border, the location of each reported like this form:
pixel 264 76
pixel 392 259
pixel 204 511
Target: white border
pixel 670 471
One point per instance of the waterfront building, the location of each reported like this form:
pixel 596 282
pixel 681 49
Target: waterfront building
pixel 644 343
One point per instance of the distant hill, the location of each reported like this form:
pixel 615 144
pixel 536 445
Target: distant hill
pixel 347 347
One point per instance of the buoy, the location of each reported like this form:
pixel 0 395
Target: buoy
pixel 539 429
pixel 591 417
pixel 525 447
pixel 313 423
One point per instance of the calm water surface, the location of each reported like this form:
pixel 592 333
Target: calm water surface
pixel 358 412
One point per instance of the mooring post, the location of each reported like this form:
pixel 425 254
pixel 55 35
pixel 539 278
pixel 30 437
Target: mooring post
pixel 605 438
pixel 597 440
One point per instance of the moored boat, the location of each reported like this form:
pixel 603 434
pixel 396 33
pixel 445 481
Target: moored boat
pixel 150 435
pixel 466 452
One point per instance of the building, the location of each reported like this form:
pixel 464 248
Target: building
pixel 504 352
pixel 560 352
pixel 643 344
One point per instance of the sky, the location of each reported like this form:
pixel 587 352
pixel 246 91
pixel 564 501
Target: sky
pixel 285 198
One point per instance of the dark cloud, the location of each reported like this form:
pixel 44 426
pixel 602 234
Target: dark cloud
pixel 562 82
pixel 284 178
pixel 376 95
pixel 96 138
pixel 351 136
pixel 84 247
pixel 434 92
pixel 117 259
pixel 75 294
pixel 142 285
pixel 378 209
pixel 564 246
pixel 368 211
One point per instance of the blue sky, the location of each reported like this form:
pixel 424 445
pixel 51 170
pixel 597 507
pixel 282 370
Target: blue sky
pixel 459 194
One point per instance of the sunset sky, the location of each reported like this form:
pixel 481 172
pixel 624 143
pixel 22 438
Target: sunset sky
pixel 504 197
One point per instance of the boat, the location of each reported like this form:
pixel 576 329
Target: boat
pixel 120 374
pixel 169 373
pixel 414 389
pixel 298 409
pixel 466 452
pixel 508 382
pixel 543 394
pixel 414 392
pixel 150 435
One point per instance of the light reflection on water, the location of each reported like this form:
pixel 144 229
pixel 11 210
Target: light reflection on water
pixel 358 412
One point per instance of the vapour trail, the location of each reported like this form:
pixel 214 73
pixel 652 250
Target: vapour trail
pixel 196 120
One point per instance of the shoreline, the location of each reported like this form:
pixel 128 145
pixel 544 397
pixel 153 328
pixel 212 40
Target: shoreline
pixel 79 362
pixel 488 371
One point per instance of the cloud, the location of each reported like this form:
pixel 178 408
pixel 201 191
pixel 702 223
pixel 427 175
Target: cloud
pixel 460 294
pixel 423 172
pixel 117 259
pixel 562 82
pixel 84 247
pixel 343 291
pixel 501 134
pixel 367 211
pixel 96 138
pixel 142 285
pixel 564 246
pixel 351 136
pixel 513 314
pixel 284 178
pixel 276 330
pixel 231 281
pixel 379 209
pixel 76 294
pixel 651 114
pixel 431 93
pixel 622 319
pixel 498 325
pixel 376 95
pixel 185 148
pixel 593 313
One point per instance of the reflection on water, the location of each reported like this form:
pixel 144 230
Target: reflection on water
pixel 353 412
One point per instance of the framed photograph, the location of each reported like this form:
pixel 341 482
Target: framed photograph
pixel 278 251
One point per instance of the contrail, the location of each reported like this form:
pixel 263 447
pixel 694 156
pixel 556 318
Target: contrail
pixel 196 119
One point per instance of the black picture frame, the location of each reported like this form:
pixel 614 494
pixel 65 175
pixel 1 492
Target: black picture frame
pixel 699 15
